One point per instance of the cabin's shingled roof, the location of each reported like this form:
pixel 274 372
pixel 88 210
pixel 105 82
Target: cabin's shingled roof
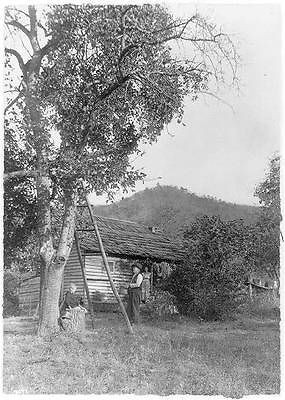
pixel 128 239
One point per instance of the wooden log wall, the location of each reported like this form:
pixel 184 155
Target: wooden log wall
pixel 73 274
pixel 29 295
pixel 99 285
pixel 97 279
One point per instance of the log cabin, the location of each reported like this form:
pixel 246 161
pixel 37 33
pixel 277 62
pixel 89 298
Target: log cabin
pixel 124 242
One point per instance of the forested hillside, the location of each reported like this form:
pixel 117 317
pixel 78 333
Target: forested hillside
pixel 172 208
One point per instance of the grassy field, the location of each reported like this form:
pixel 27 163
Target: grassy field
pixel 179 356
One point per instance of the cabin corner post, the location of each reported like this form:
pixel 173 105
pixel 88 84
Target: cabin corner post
pixel 84 278
pixel 106 265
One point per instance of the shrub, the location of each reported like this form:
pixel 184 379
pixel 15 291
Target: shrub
pixel 209 283
pixel 160 303
pixel 263 305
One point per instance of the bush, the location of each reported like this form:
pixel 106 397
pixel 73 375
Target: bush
pixel 263 305
pixel 160 303
pixel 209 283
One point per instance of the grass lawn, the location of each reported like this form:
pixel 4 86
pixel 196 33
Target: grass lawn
pixel 233 358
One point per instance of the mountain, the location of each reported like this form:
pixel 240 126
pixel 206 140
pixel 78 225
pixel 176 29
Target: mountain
pixel 171 208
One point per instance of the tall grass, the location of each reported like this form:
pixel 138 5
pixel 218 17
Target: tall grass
pixel 167 357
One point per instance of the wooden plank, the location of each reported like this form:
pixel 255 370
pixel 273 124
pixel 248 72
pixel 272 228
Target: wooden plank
pixel 84 278
pixel 107 267
pixel 72 272
pixel 96 276
pixel 29 294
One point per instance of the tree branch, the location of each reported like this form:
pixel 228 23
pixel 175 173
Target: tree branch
pixel 33 19
pixel 20 174
pixel 13 101
pixel 44 29
pixel 107 92
pixel 220 99
pixel 197 39
pixel 33 24
pixel 113 87
pixel 175 36
pixel 136 45
pixel 151 83
pixel 51 43
pixel 21 12
pixel 20 26
pixel 19 58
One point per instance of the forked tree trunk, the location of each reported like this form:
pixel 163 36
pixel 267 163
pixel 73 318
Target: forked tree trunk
pixel 52 262
pixel 54 269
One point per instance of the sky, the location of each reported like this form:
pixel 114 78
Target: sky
pixel 223 151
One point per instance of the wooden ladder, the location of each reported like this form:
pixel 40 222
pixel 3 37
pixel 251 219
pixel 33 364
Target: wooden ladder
pixel 107 268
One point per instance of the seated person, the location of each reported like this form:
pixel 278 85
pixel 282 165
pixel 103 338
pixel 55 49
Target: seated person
pixel 70 300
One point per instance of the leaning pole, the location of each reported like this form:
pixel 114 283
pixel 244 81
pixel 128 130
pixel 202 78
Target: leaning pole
pixel 106 265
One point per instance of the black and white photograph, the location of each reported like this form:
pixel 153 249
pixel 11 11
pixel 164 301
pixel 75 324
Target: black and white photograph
pixel 142 231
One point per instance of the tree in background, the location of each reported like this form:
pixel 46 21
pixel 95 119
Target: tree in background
pixel 268 191
pixel 94 82
pixel 268 225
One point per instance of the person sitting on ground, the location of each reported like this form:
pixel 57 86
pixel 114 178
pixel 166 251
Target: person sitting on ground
pixel 70 300
pixel 72 312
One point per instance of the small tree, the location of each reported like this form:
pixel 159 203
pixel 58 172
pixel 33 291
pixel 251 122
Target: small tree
pixel 209 282
pixel 268 226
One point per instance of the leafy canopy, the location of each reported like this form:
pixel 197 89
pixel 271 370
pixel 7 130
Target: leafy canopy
pixel 110 78
pixel 113 82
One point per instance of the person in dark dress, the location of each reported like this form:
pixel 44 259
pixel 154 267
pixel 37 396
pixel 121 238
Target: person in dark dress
pixel 70 300
pixel 135 293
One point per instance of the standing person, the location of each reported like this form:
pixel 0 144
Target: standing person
pixel 134 291
pixel 146 285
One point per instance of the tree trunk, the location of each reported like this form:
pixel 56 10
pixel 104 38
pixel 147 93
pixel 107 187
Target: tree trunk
pixel 52 262
pixel 54 269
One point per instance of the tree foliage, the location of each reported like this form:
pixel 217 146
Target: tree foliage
pixel 268 191
pixel 109 80
pixel 268 225
pixel 114 83
pixel 209 283
pixel 222 255
pixel 20 208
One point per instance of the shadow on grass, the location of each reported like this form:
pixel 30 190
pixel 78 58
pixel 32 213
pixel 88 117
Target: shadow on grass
pixel 20 326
